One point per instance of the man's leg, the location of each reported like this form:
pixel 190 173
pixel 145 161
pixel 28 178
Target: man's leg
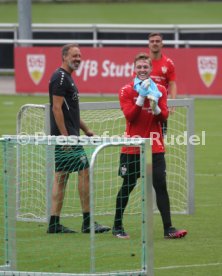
pixel 58 193
pixel 129 170
pixel 83 187
pixel 122 199
pixel 160 186
pixel 162 197
pixel 121 202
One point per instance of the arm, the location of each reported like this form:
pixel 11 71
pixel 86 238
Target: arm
pixel 173 92
pixel 172 89
pixel 85 129
pixel 128 104
pixel 58 114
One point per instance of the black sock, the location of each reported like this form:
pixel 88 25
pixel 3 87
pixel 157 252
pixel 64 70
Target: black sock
pixel 166 226
pixel 86 219
pixel 54 220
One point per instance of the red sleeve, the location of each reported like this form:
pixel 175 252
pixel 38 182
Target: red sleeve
pixel 171 75
pixel 127 98
pixel 162 103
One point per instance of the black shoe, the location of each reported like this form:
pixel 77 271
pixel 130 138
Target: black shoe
pixel 120 233
pixel 173 233
pixel 58 228
pixel 98 228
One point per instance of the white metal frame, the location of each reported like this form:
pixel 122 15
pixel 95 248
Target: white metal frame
pixel 147 226
pixel 188 103
pixel 95 29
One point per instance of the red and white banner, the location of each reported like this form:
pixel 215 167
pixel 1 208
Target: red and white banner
pixel 106 70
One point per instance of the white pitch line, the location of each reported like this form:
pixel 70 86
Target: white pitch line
pixel 187 266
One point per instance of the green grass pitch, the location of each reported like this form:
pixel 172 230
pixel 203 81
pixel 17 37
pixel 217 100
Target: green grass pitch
pixel 124 13
pixel 198 254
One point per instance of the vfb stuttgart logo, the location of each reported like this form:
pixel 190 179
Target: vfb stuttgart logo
pixel 36 67
pixel 207 66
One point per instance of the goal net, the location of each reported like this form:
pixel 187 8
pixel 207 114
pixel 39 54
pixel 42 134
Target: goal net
pixel 26 248
pixel 34 174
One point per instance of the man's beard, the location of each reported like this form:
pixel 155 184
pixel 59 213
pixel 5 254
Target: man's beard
pixel 73 66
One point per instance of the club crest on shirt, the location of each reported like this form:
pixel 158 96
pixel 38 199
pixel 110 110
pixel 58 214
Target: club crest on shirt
pixel 36 67
pixel 164 69
pixel 123 170
pixel 207 67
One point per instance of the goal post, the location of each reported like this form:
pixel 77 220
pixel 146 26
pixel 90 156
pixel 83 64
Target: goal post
pixel 32 119
pixel 26 245
pixel 146 202
pixel 105 119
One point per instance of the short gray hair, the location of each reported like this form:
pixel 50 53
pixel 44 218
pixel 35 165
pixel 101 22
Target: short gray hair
pixel 66 48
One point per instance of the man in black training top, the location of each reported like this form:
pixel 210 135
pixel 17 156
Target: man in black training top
pixel 65 120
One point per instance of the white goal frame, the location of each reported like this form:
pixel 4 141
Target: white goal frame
pixel 9 269
pixel 188 104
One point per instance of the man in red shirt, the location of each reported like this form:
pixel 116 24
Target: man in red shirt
pixel 163 71
pixel 144 118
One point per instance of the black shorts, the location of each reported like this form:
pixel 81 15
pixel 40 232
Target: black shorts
pixel 70 158
pixel 129 165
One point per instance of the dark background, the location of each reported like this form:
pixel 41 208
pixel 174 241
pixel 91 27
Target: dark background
pixel 6 50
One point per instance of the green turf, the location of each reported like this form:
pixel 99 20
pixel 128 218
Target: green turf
pixel 136 13
pixel 199 254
